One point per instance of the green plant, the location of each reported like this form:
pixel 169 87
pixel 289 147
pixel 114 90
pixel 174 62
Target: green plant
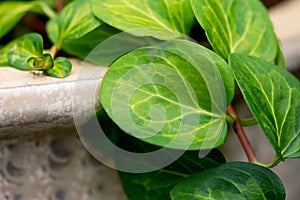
pixel 176 93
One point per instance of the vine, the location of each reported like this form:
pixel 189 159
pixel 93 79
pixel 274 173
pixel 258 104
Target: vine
pixel 166 99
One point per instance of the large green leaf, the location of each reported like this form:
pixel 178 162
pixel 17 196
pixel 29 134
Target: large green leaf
pixel 83 46
pixel 166 15
pixel 73 22
pixel 43 7
pixel 157 184
pixel 23 48
pixel 12 11
pixel 105 44
pixel 171 94
pixel 237 26
pixel 273 96
pixel 238 181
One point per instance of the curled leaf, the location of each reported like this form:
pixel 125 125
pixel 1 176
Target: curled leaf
pixel 41 63
pixel 62 68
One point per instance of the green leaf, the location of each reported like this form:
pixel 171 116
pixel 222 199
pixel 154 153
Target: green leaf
pixel 158 184
pixel 42 7
pixel 237 26
pixel 155 184
pixel 273 96
pixel 83 46
pixel 171 94
pixel 62 68
pixel 73 22
pixel 41 63
pixel 23 48
pixel 167 17
pixel 3 54
pixel 12 11
pixel 105 44
pixel 238 181
pixel 280 60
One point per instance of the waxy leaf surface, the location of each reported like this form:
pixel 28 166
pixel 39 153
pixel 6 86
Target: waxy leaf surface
pixel 237 26
pixel 84 45
pixel 155 184
pixel 158 184
pixel 73 22
pixel 167 17
pixel 273 95
pixel 238 181
pixel 172 94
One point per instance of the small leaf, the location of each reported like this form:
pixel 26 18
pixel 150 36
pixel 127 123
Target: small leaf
pixel 273 95
pixel 41 63
pixel 237 26
pixel 23 48
pixel 62 68
pixel 167 15
pixel 238 181
pixel 157 184
pixel 171 94
pixel 73 22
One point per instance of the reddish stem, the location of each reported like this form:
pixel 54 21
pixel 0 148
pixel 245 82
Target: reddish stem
pixel 59 5
pixel 238 128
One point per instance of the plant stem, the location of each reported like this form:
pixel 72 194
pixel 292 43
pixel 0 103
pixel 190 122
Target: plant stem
pixel 53 51
pixel 230 119
pixel 59 5
pixel 237 126
pixel 275 162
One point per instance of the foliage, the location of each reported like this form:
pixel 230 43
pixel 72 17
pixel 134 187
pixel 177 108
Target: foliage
pixel 168 91
pixel 280 91
pixel 237 180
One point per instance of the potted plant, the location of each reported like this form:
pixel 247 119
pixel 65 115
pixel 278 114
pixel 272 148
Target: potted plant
pixel 170 87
